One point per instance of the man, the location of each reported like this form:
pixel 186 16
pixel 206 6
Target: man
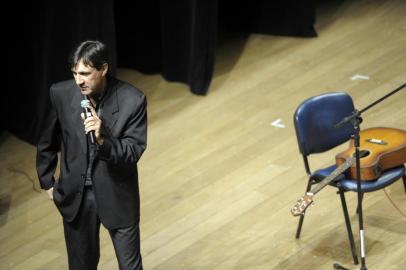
pixel 98 182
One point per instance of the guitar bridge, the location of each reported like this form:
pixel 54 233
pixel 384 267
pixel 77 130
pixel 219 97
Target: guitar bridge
pixel 376 141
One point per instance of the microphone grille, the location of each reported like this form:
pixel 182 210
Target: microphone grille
pixel 85 103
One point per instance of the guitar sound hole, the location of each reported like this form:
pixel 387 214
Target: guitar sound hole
pixel 364 153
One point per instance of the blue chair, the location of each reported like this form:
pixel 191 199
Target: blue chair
pixel 314 122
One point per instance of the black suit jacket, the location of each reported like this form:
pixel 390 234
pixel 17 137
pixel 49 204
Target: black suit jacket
pixel 115 176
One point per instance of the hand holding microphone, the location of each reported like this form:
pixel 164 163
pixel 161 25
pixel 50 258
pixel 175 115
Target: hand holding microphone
pixel 91 121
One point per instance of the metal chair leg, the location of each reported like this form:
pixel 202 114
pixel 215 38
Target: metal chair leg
pixel 299 226
pixel 362 197
pixel 348 225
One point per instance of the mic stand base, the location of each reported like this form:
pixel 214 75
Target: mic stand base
pixel 339 267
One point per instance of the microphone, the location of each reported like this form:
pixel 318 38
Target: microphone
pixel 85 104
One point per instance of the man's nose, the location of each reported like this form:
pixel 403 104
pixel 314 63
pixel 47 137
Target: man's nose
pixel 78 79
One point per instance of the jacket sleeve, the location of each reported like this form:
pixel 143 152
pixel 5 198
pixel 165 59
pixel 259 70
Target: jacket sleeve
pixel 128 148
pixel 47 149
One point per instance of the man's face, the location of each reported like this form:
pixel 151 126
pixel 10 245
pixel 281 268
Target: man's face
pixel 89 79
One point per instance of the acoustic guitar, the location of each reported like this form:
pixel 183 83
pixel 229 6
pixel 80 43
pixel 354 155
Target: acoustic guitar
pixel 380 149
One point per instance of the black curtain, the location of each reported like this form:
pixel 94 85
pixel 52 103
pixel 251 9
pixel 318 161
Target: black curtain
pixel 41 41
pixel 176 38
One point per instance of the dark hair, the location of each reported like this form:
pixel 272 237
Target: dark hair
pixel 92 53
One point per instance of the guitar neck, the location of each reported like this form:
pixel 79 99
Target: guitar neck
pixel 339 170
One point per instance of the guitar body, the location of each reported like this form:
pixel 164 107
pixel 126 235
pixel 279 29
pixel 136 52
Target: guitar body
pixel 380 148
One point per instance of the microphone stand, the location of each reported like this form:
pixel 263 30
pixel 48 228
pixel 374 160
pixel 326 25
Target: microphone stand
pixel 355 119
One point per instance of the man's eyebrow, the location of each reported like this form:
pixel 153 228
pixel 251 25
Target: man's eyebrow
pixel 80 72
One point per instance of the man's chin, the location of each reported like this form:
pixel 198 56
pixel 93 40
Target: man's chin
pixel 84 91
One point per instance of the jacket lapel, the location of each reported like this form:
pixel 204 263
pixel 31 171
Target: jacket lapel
pixel 77 119
pixel 110 106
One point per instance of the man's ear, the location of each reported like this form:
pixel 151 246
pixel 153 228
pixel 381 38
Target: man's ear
pixel 105 68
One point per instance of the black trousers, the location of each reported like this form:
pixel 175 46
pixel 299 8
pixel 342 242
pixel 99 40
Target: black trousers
pixel 83 242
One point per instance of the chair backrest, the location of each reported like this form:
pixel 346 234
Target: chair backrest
pixel 315 118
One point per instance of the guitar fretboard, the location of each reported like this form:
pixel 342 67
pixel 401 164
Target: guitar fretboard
pixel 339 170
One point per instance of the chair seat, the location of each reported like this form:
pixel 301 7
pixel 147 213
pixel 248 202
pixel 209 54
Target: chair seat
pixel 387 178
